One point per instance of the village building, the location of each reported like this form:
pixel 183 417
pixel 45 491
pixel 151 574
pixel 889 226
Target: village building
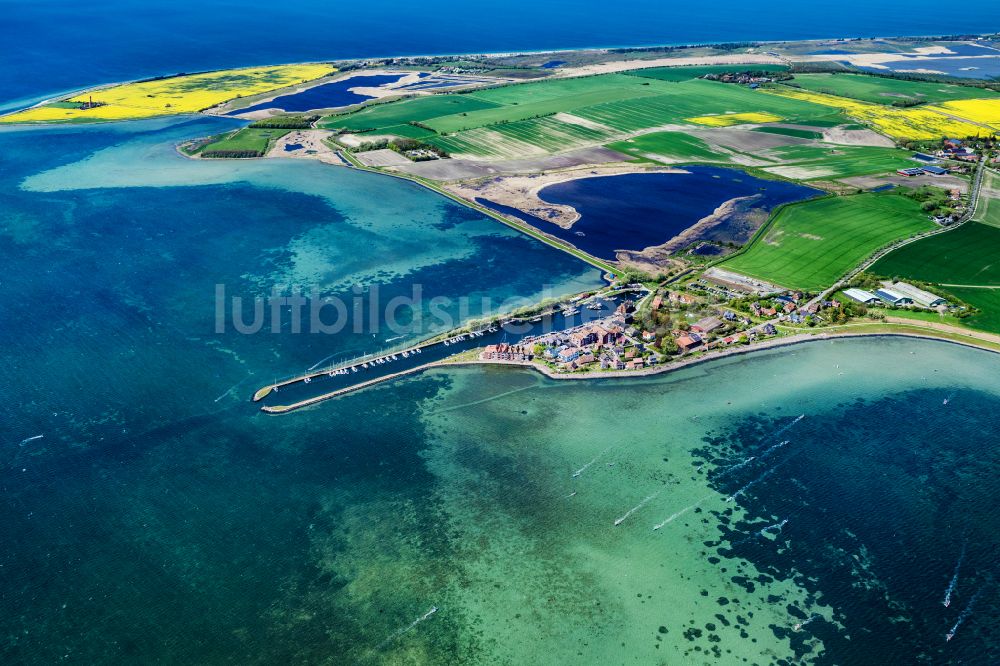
pixel 678 297
pixel 568 354
pixel 505 352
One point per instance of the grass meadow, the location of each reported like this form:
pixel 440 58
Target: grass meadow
pixel 968 255
pixel 812 244
pixel 883 90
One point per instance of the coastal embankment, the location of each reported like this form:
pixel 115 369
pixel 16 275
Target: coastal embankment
pixel 897 328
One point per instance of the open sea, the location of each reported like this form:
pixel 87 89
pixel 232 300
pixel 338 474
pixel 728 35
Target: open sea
pixel 151 514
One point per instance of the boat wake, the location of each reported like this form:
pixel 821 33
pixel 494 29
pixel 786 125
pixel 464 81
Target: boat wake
pixel 963 617
pixel 596 458
pixel 812 618
pixel 400 632
pixel 751 484
pixel 680 513
pixel 319 363
pixel 784 429
pixel 768 451
pixel 760 533
pixel 635 508
pixel 954 579
pixel 30 439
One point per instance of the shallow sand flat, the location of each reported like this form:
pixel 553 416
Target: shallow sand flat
pixel 459 169
pixel 521 192
pixel 313 146
pixel 381 158
pixel 869 182
pixel 628 65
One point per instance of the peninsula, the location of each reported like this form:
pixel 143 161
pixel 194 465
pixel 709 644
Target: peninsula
pixel 734 195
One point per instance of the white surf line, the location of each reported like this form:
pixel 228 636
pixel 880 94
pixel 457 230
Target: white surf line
pixel 596 458
pixel 681 513
pixel 400 632
pixel 479 402
pixel 636 508
pixel 30 439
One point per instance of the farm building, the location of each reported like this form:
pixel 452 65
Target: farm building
pixel 706 325
pixel 935 170
pixel 918 296
pixel 913 171
pixel 688 342
pixel 861 296
pixel 893 297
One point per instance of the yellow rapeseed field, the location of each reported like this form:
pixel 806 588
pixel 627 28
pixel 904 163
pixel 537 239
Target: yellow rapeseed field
pixel 899 123
pixel 986 111
pixel 170 96
pixel 728 119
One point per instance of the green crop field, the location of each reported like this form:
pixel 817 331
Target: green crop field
pixel 811 245
pixel 791 131
pixel 677 74
pixel 968 255
pixel 989 202
pixel 380 116
pixel 986 300
pixel 670 145
pixel 531 100
pixel 884 90
pixel 524 119
pixel 247 139
pixel 548 90
pixel 832 162
pixel 688 99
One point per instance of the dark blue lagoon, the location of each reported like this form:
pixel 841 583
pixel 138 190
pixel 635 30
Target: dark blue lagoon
pixel 327 96
pixel 636 211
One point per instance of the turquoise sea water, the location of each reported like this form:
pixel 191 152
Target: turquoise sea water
pixel 161 518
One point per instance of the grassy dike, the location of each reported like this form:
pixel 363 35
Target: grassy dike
pixel 520 226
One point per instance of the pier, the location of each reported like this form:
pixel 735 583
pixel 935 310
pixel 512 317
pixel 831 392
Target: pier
pixel 315 386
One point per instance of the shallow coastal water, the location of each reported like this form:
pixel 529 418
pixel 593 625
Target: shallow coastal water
pixel 493 495
pixel 114 255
